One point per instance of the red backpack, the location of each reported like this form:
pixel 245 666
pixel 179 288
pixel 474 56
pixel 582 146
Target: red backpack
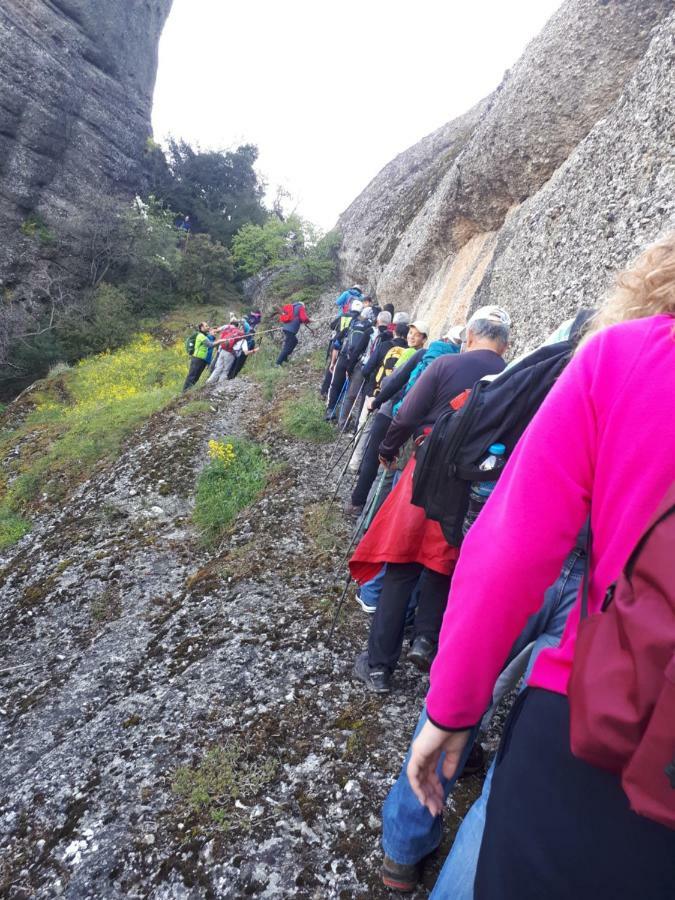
pixel 231 334
pixel 622 687
pixel 287 313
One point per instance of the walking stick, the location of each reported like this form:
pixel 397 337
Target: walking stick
pixel 331 414
pixel 338 609
pixel 357 534
pixel 349 414
pixel 352 443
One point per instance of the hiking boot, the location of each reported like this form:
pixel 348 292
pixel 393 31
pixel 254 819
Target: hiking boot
pixel 475 761
pixel 365 606
pixel 353 511
pixel 422 653
pixel 377 680
pixel 399 877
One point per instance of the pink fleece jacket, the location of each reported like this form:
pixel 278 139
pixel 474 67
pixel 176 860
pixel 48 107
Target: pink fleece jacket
pixel 604 441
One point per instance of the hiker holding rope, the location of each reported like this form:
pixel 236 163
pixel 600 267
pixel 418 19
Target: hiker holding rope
pixel 352 342
pixel 248 346
pixel 414 548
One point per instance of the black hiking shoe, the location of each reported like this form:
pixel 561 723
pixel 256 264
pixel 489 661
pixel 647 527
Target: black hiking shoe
pixel 422 653
pixel 353 511
pixel 376 680
pixel 475 761
pixel 399 877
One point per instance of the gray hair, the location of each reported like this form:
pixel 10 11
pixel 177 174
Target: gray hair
pixel 490 331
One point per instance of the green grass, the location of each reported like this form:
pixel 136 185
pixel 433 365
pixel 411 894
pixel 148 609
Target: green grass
pixel 195 408
pixel 261 368
pixel 225 488
pixel 12 528
pixel 225 775
pixel 79 418
pixel 303 417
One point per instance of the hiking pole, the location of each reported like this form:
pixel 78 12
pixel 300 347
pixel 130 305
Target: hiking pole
pixel 337 402
pixel 349 414
pixel 352 443
pixel 365 521
pixel 338 609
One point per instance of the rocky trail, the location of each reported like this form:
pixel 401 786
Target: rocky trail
pixel 173 723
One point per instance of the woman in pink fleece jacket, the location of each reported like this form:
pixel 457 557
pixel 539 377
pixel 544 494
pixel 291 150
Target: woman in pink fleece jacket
pixel 603 442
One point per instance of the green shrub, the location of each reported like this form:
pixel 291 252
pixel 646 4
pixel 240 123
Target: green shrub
pixel 231 481
pixel 303 417
pixel 12 527
pixel 211 788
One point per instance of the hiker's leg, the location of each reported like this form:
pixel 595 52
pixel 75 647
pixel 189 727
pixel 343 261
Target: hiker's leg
pixel 353 393
pixel 433 598
pixel 237 366
pixel 386 630
pixel 290 343
pixel 336 385
pixel 409 831
pixel 366 424
pixel 221 368
pixel 197 366
pixel 371 591
pixel 458 874
pixel 325 384
pixel 370 462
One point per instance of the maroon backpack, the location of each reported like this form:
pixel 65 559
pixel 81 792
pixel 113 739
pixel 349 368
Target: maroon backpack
pixel 622 687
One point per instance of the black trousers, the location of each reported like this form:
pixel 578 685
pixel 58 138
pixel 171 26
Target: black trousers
pixel 325 384
pixel 237 366
pixel 370 462
pixel 386 630
pixel 561 829
pixel 354 398
pixel 336 385
pixel 197 366
pixel 290 343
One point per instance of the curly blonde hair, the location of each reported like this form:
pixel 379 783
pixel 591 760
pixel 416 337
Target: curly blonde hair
pixel 645 289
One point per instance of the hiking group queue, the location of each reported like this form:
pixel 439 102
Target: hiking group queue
pixel 515 523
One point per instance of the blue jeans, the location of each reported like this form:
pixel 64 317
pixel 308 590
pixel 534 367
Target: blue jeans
pixel 409 831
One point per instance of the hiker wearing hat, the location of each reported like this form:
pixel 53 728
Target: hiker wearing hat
pixel 231 337
pixel 346 298
pixel 360 383
pixel 400 535
pixel 353 344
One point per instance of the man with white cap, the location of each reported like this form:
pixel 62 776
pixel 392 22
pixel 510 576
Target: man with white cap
pixel 400 535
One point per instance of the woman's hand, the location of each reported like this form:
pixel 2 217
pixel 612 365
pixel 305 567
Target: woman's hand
pixel 426 751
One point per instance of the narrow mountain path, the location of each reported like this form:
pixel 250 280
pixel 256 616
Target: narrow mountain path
pixel 173 724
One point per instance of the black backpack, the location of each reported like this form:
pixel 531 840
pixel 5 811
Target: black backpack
pixel 496 411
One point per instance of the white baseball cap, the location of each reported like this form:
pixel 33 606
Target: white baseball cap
pixel 489 313
pixel 356 306
pixel 454 334
pixel 421 326
pixel 401 318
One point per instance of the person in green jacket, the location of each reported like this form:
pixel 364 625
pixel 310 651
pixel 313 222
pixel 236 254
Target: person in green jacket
pixel 205 341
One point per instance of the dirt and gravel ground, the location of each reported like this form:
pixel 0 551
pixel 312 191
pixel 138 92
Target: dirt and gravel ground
pixel 173 723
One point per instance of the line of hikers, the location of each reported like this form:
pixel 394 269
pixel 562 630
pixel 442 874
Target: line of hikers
pixel 516 523
pixel 223 350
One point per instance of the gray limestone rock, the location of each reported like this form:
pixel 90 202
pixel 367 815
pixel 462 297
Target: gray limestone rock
pixel 582 123
pixel 76 84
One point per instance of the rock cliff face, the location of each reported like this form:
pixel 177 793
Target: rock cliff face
pixel 546 188
pixel 76 83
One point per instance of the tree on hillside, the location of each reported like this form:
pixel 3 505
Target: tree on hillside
pixel 220 191
pixel 258 247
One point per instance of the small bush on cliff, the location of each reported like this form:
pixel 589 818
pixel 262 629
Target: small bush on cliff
pixel 231 481
pixel 303 417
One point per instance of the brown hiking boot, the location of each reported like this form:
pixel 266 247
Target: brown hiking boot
pixel 399 877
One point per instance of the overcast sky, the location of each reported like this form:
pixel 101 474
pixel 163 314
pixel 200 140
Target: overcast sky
pixel 331 92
